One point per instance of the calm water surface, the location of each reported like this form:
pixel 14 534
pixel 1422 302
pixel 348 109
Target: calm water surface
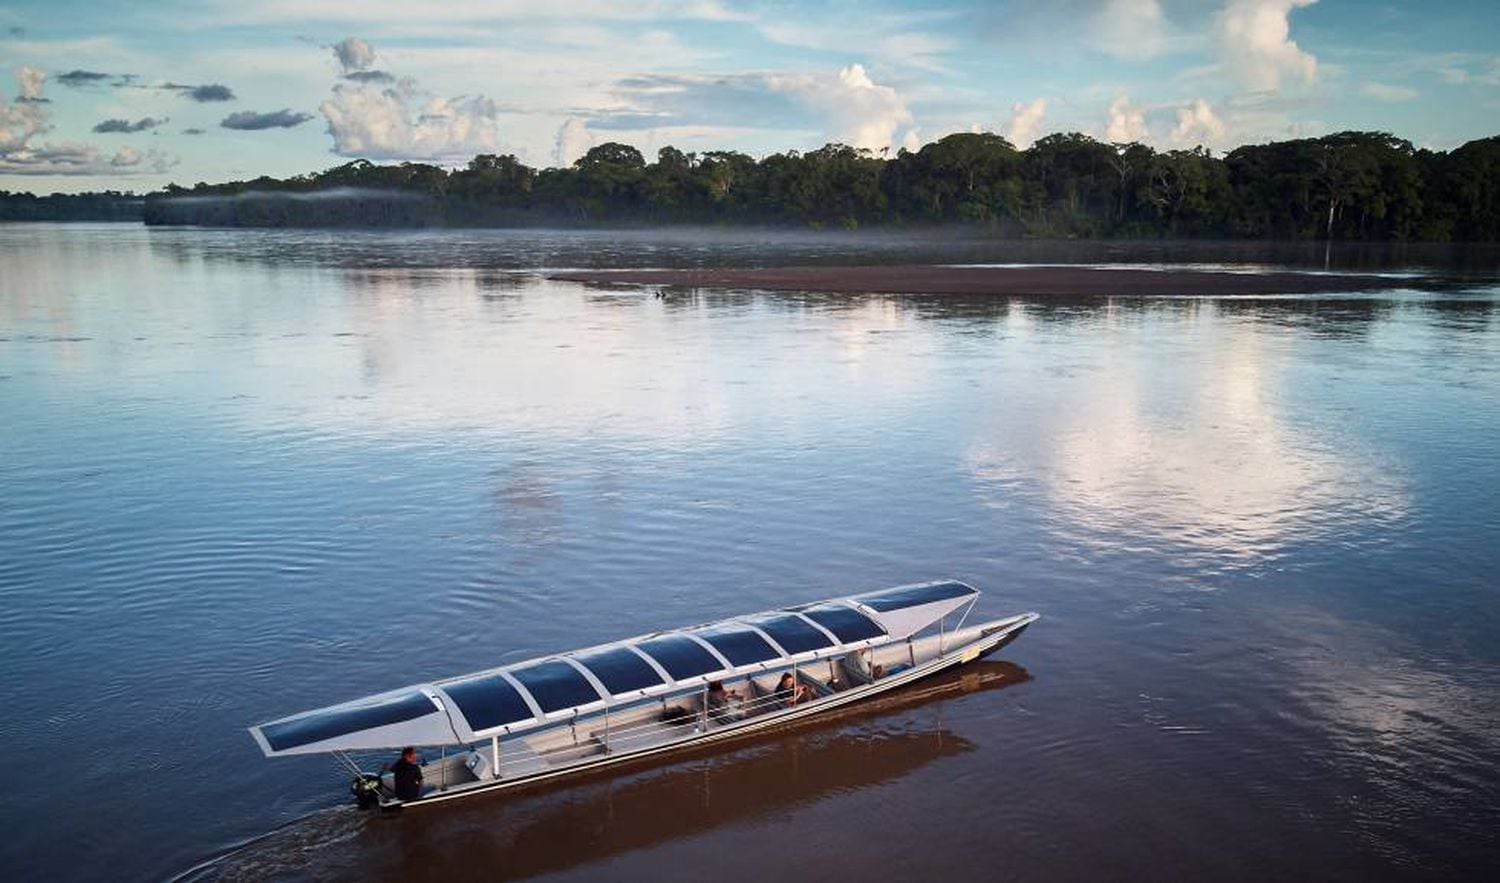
pixel 247 473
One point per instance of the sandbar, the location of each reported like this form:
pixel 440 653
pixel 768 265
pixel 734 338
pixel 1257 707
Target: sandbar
pixel 1003 281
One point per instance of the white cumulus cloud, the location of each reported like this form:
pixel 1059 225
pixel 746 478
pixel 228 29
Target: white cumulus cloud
pixel 1198 124
pixel 573 140
pixel 379 120
pixel 19 121
pixel 1025 122
pixel 1127 122
pixel 859 111
pixel 1256 47
pixel 845 105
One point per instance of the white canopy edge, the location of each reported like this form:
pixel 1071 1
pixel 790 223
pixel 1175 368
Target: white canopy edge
pixel 902 624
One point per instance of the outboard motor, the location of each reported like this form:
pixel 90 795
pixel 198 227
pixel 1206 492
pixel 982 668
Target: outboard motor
pixel 366 790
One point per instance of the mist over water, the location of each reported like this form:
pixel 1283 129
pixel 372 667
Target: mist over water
pixel 246 473
pixel 332 194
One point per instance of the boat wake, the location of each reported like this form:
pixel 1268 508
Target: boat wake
pixel 283 851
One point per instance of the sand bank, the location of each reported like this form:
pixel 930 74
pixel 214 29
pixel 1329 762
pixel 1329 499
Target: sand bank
pixel 971 280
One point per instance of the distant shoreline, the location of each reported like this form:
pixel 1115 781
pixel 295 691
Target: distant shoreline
pixel 1345 186
pixel 1052 281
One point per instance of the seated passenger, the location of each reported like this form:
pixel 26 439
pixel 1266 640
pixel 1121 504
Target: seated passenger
pixel 788 692
pixel 858 662
pixel 785 688
pixel 724 705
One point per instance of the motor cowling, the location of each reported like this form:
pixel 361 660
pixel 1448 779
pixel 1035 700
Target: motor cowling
pixel 366 790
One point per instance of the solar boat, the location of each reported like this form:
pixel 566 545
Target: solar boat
pixel 645 696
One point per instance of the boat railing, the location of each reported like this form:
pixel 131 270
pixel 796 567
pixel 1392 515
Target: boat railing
pixel 518 756
pixel 640 726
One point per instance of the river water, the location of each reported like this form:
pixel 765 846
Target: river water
pixel 245 473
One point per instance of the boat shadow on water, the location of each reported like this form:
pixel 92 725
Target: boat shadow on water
pixel 599 816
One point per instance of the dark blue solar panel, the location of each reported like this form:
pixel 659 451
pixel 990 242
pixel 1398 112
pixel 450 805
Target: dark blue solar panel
pixel 740 646
pixel 620 670
pixel 793 633
pixel 845 622
pixel 681 657
pixel 488 701
pixel 317 727
pixel 556 685
pixel 911 596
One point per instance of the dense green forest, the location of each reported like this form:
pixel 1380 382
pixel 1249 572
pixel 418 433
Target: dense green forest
pixel 109 205
pixel 1346 186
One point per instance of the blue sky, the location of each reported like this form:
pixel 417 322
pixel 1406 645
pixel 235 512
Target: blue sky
pixel 133 96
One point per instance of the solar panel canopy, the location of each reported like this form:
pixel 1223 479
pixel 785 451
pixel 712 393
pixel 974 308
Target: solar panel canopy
pixel 510 699
pixel 913 596
pixel 556 685
pixel 846 623
pixel 489 701
pixel 620 669
pixel 740 645
pixel 319 726
pixel 682 657
pixel 792 632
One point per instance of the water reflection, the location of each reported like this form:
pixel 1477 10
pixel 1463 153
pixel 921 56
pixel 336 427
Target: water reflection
pixel 549 830
pixel 1190 448
pixel 1461 314
pixel 1321 317
pixel 246 472
pixel 686 247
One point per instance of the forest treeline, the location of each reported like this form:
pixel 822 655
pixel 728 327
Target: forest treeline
pixel 1345 186
pixel 109 205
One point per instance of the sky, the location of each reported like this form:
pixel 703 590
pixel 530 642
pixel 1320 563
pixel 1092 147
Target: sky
pixel 131 96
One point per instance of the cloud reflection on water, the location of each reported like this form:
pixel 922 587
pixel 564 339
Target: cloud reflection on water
pixel 1151 442
pixel 503 355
